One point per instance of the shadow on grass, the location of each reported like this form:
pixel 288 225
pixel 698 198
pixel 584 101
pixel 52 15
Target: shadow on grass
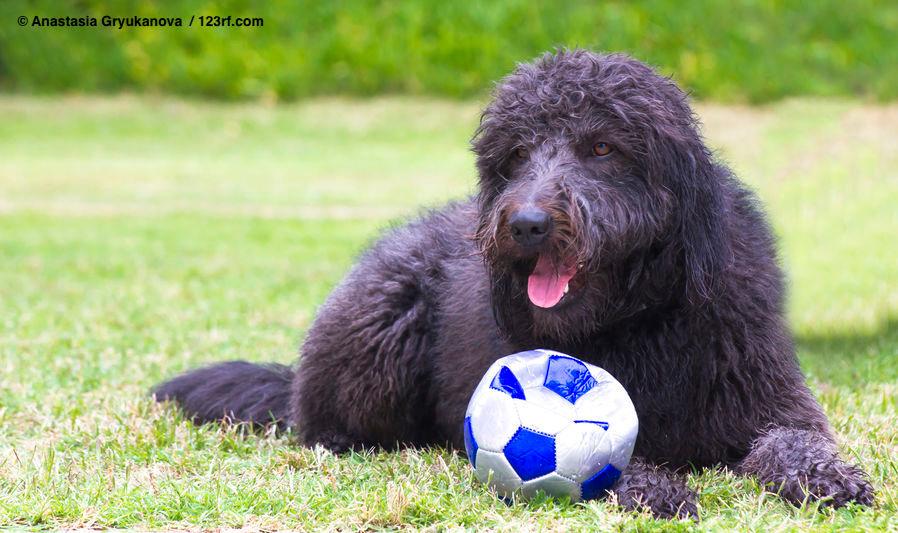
pixel 852 358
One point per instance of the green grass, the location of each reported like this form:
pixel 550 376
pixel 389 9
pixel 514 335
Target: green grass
pixel 142 237
pixel 743 50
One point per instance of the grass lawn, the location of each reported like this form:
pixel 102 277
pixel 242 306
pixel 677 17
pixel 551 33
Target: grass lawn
pixel 142 237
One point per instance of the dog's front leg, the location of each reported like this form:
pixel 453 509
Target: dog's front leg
pixel 657 488
pixel 804 465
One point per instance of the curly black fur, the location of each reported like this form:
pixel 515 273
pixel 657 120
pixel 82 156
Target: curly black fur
pixel 677 293
pixel 800 466
pixel 656 488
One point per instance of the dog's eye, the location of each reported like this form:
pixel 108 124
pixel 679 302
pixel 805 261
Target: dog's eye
pixel 521 152
pixel 602 149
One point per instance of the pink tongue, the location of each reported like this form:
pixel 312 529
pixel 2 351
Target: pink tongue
pixel 545 286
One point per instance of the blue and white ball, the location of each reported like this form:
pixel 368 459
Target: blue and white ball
pixel 543 420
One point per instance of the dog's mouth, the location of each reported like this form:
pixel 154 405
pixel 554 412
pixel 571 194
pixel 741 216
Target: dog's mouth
pixel 549 283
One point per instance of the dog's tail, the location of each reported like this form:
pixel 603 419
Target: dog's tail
pixel 236 391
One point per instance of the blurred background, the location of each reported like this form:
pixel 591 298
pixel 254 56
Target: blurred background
pixel 171 197
pixel 740 51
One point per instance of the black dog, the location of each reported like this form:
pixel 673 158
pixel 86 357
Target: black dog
pixel 603 228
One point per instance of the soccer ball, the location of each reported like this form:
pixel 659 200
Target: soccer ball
pixel 543 420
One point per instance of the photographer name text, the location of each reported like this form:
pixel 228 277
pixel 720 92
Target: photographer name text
pixel 108 21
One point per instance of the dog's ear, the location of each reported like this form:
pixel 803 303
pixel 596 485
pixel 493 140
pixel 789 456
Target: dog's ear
pixel 680 161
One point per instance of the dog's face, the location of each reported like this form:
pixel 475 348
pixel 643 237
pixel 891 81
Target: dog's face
pixel 595 189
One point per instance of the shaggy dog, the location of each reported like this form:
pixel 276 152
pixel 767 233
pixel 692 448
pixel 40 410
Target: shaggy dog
pixel 603 228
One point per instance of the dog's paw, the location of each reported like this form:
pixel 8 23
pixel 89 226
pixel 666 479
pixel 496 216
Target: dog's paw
pixel 832 483
pixel 804 466
pixel 660 491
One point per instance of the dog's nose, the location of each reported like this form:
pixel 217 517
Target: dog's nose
pixel 530 226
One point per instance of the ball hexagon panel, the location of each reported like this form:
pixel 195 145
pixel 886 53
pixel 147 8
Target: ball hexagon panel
pixel 531 454
pixel 529 367
pixel 568 377
pixel 543 397
pixel 596 485
pixel 621 450
pixel 494 468
pixel 540 418
pixel 552 484
pixel 583 449
pixel 494 420
pixel 608 402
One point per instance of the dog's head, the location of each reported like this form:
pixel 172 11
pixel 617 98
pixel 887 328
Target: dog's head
pixel 598 198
